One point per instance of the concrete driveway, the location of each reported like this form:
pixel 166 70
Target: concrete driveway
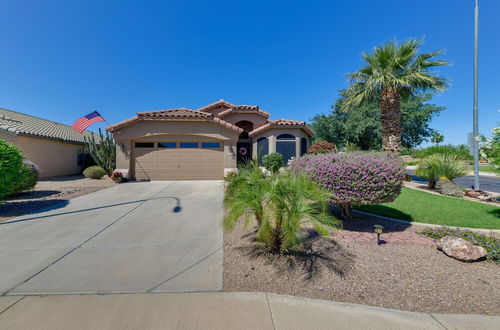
pixel 135 237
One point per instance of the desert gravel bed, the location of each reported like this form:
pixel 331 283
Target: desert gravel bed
pixel 49 192
pixel 399 276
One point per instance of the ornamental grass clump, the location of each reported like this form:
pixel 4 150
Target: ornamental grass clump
pixel 355 178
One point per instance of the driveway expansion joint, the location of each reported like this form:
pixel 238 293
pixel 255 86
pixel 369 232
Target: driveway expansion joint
pixel 186 269
pixel 435 319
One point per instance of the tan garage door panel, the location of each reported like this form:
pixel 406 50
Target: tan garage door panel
pixel 179 163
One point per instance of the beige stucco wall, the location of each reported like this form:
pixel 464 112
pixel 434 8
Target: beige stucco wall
pixel 8 137
pixel 256 119
pixel 52 157
pixel 173 131
pixel 272 133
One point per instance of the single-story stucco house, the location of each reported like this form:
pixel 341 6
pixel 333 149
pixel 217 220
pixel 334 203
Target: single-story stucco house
pixel 56 148
pixel 207 143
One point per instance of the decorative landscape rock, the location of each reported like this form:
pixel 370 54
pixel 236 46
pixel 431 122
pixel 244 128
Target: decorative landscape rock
pixel 449 188
pixel 460 249
pixel 479 194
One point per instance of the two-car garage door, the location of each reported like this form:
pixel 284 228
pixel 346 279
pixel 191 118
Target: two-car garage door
pixel 172 160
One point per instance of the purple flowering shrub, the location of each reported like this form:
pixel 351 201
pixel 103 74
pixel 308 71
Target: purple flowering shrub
pixel 356 178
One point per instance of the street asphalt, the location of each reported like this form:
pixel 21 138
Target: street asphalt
pixel 487 183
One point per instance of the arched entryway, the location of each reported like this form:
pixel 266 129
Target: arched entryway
pixel 244 144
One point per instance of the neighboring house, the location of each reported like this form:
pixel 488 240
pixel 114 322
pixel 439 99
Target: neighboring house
pixel 205 143
pixel 56 148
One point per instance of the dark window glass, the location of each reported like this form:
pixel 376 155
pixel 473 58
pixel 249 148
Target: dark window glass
pixel 287 149
pixel 210 145
pixel 262 148
pixel 80 158
pixel 189 144
pixel 167 145
pixel 285 137
pixel 144 144
pixel 303 146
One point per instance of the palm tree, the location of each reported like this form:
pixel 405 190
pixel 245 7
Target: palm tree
pixel 293 201
pixel 245 195
pixel 393 71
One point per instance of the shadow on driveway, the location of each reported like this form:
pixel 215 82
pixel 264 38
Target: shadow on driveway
pixel 59 204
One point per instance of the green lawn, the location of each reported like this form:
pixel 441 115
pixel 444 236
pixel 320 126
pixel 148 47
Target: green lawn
pixel 483 168
pixel 420 206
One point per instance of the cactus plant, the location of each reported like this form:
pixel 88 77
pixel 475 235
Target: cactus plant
pixel 103 152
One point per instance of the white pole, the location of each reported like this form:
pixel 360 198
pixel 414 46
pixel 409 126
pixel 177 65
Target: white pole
pixel 475 107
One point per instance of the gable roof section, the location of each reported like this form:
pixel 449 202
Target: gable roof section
pixel 25 125
pixel 282 123
pixel 234 108
pixel 175 114
pixel 216 104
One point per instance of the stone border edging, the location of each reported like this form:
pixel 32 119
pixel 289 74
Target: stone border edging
pixel 479 230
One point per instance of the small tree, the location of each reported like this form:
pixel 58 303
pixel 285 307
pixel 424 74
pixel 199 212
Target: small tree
pixel 437 138
pixel 103 152
pixel 273 162
pixel 491 149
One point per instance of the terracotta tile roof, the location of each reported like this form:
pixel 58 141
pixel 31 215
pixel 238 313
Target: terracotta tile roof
pixel 21 124
pixel 287 122
pixel 215 104
pixel 282 123
pixel 175 114
pixel 233 108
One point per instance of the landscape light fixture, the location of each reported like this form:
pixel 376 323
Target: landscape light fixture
pixel 379 229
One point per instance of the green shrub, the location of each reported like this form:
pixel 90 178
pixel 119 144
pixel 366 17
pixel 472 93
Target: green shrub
pixel 321 147
pixel 273 162
pixel 27 177
pixel 441 165
pixel 491 244
pixel 94 172
pixel 11 163
pixel 460 151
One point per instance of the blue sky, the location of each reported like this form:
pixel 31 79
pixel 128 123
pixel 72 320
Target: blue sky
pixel 63 59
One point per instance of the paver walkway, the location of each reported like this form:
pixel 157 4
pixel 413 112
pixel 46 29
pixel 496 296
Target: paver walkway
pixel 216 311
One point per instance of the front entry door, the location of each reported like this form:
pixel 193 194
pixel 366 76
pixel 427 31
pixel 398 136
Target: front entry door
pixel 244 152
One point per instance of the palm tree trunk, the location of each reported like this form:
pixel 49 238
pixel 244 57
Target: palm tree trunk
pixel 390 118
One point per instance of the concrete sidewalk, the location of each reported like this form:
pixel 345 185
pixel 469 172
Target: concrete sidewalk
pixel 215 311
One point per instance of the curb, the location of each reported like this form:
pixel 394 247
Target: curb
pixel 478 230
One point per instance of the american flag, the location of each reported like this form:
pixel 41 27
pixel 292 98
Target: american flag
pixel 81 124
